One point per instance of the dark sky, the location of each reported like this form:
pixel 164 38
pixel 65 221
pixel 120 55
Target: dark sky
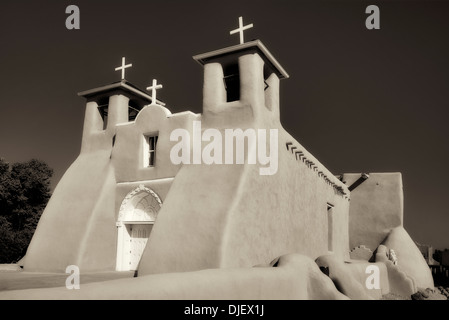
pixel 360 100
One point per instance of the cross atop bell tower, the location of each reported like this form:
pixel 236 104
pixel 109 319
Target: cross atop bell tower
pixel 240 29
pixel 123 67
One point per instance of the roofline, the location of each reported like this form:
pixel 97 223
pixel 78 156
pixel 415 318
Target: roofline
pixel 202 58
pixel 122 84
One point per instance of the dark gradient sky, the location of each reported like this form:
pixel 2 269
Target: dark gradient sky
pixel 360 100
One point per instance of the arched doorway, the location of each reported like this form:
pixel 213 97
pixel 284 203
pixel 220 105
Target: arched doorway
pixel 137 215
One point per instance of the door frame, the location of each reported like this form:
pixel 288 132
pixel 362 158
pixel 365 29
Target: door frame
pixel 127 207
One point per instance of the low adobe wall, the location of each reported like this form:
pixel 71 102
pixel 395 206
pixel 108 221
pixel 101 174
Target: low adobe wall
pixel 296 277
pixel 409 258
pixel 350 278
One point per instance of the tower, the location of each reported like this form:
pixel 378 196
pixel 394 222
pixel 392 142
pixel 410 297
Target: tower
pixel 240 91
pixel 106 107
pixel 247 73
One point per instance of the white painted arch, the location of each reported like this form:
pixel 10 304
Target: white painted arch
pixel 139 207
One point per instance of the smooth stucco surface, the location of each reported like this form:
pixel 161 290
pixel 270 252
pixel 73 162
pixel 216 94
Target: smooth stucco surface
pixel 409 258
pixel 350 278
pixel 296 277
pixel 376 208
pixel 230 215
pixel 78 226
pixel 400 283
pixel 77 220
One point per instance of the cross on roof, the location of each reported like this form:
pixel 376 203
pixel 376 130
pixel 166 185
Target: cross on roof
pixel 240 29
pixel 153 89
pixel 123 67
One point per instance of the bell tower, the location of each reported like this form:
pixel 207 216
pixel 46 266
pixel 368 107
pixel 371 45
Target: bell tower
pixel 108 106
pixel 247 73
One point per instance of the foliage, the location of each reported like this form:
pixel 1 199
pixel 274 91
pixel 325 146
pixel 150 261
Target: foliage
pixel 24 193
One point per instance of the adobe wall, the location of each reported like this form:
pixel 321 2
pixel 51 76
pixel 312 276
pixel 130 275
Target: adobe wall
pixel 78 226
pixel 127 156
pixel 77 220
pixel 188 232
pixel 409 258
pixel 351 278
pixel 295 278
pixel 229 215
pixel 376 208
pixel 284 213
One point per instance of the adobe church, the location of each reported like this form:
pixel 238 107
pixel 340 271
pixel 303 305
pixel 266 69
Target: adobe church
pixel 124 205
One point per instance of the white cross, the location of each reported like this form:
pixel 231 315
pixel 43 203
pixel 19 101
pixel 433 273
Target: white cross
pixel 123 67
pixel 153 89
pixel 240 29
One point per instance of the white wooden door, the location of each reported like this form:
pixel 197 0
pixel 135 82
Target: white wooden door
pixel 138 241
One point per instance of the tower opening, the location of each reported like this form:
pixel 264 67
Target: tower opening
pixel 103 108
pixel 133 110
pixel 232 82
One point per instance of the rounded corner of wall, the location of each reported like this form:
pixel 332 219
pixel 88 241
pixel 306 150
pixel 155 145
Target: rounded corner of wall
pixel 153 113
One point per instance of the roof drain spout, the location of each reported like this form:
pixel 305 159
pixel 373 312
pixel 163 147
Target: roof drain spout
pixel 359 181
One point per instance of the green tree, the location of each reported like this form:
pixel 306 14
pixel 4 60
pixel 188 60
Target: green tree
pixel 24 193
